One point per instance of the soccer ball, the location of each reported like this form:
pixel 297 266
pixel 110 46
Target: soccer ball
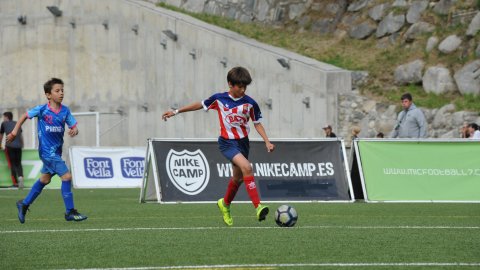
pixel 286 216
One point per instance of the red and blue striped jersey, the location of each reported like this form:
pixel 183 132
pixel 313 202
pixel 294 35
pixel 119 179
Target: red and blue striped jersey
pixel 233 114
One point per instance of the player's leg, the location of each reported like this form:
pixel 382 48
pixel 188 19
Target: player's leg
pixel 244 165
pixel 233 184
pixel 71 214
pixel 23 205
pixel 232 188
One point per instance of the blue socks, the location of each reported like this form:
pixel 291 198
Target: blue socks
pixel 34 192
pixel 67 195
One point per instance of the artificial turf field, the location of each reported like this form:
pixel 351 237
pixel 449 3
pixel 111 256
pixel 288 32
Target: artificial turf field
pixel 122 233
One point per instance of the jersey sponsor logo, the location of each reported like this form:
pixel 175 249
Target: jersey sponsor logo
pixel 188 171
pixel 53 129
pixel 235 119
pixel 132 167
pixel 98 167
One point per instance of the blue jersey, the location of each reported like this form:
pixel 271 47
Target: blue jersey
pixel 233 114
pixel 51 127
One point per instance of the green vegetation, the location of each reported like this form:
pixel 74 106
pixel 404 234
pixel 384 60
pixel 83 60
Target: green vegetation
pixel 354 54
pixel 122 233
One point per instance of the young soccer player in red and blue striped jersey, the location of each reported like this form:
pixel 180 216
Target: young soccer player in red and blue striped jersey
pixel 234 110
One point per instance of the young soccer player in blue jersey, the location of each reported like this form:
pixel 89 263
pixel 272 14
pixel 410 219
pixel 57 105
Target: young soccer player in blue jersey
pixel 51 127
pixel 234 109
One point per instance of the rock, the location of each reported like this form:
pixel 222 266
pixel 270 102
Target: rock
pixel 378 11
pixel 322 26
pixel 415 11
pixel 443 6
pixel 295 11
pixel 443 116
pixel 390 24
pixel 418 29
pixel 409 73
pixel 468 78
pixel 474 26
pixel 369 105
pixel 438 80
pixel 477 51
pixel 431 43
pixel 400 3
pixel 357 5
pixel 450 44
pixel 359 78
pixel 362 31
pixel 450 134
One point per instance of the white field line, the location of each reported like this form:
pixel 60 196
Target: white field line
pixel 245 228
pixel 290 265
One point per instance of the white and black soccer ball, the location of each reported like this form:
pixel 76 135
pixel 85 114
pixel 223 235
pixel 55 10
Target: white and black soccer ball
pixel 286 216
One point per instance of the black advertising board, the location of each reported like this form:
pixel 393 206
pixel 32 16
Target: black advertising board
pixel 298 170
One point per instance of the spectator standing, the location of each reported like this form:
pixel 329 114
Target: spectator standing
pixel 411 122
pixel 328 132
pixel 13 150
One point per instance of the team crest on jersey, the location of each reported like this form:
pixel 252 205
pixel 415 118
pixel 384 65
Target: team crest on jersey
pixel 188 171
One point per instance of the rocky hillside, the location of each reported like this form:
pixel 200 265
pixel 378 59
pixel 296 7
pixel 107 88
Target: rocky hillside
pixel 429 48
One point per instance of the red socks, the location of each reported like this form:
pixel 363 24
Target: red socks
pixel 231 192
pixel 252 189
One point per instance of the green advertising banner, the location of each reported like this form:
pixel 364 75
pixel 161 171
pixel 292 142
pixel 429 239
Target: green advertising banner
pixel 31 164
pixel 420 170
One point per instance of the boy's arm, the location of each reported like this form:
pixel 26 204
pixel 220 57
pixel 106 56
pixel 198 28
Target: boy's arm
pixel 263 134
pixel 13 134
pixel 192 107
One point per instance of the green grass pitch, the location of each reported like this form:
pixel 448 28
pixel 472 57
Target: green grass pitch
pixel 121 233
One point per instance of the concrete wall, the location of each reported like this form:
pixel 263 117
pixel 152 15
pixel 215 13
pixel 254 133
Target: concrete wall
pixel 131 79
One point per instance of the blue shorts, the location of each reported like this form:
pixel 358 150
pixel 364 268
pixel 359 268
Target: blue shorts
pixel 231 148
pixel 54 166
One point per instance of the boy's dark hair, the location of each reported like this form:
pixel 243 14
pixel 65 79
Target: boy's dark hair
pixel 9 115
pixel 406 96
pixel 239 76
pixel 47 87
pixel 473 125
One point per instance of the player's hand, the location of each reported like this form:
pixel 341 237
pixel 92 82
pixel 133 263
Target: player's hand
pixel 73 132
pixel 270 146
pixel 168 114
pixel 11 137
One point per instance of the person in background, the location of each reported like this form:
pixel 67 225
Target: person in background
pixel 328 132
pixel 411 122
pixel 464 131
pixel 473 131
pixel 355 132
pixel 380 135
pixel 13 149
